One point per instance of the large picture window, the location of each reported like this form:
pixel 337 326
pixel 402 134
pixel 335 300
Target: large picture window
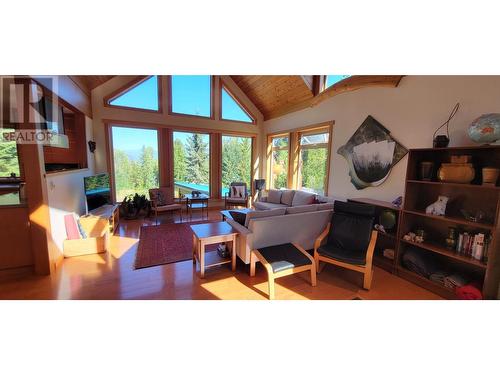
pixel 135 156
pixel 313 162
pixel 191 163
pixel 231 109
pixel 236 161
pixel 142 95
pixel 279 162
pixel 191 95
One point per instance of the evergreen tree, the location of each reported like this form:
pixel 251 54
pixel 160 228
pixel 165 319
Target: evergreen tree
pixel 236 160
pixel 180 170
pixel 8 156
pixel 197 159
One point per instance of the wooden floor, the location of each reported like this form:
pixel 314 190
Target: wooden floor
pixel 112 276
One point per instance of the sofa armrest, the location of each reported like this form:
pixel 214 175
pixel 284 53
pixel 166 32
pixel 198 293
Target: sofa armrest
pixel 242 230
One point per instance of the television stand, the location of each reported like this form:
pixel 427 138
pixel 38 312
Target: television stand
pixel 109 212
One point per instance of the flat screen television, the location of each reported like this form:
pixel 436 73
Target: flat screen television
pixel 97 191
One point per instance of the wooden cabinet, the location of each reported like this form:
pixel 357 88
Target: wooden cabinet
pixel 15 240
pixel 471 197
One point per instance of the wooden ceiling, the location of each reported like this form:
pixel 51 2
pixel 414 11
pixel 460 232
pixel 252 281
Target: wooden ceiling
pixel 275 94
pixel 88 83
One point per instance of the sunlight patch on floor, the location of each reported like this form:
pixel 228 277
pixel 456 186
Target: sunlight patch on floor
pixel 121 245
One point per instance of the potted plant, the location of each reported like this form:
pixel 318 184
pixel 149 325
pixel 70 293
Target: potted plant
pixel 135 206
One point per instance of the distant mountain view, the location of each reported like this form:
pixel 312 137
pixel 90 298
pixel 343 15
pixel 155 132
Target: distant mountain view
pixel 135 155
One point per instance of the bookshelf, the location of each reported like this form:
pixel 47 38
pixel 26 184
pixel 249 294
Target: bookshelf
pixel 471 197
pixel 388 239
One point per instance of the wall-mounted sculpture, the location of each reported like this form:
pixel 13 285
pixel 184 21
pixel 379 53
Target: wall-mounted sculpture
pixel 371 153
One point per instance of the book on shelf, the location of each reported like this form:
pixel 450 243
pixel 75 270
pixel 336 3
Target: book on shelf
pixel 473 245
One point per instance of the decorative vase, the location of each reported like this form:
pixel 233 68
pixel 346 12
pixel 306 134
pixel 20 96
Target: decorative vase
pixel 485 129
pixel 457 173
pixel 451 240
pixel 387 218
pixel 490 176
pixel 426 170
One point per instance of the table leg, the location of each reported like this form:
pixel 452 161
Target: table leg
pixel 201 246
pixel 233 254
pixel 195 244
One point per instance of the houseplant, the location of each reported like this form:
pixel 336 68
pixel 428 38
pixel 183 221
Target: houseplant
pixel 135 206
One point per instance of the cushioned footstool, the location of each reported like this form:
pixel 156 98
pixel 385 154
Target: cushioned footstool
pixel 282 260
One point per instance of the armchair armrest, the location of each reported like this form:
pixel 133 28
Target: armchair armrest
pixel 321 237
pixel 154 204
pixel 371 247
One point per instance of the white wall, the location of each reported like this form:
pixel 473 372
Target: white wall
pixel 411 112
pixel 66 193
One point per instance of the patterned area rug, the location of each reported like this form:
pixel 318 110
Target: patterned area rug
pixel 166 243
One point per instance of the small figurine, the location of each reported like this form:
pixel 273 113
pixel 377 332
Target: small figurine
pixel 412 237
pixel 398 201
pixel 438 207
pixel 379 227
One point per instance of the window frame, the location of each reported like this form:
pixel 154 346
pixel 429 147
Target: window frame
pixel 245 109
pixel 324 145
pixel 130 86
pixel 294 136
pixel 325 81
pixel 212 102
pixel 270 157
pixel 197 131
pixel 111 158
pixel 250 189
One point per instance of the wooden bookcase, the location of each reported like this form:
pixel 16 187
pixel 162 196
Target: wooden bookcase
pixel 389 239
pixel 472 197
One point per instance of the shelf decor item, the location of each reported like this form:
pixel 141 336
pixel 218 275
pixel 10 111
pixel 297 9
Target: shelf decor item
pixel 451 240
pixel 490 176
pixel 438 207
pixel 388 219
pixel 457 173
pixel 426 170
pixel 442 141
pixel 485 129
pixel 371 152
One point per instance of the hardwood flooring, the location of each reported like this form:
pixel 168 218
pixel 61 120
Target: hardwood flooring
pixel 112 276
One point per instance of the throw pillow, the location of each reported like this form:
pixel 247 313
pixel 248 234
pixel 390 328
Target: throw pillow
pixel 301 198
pixel 274 196
pixel 287 197
pixel 237 191
pixel 160 198
pixel 239 217
pixel 83 234
pixel 72 232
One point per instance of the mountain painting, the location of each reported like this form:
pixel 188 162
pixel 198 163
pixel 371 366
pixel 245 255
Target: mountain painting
pixel 371 153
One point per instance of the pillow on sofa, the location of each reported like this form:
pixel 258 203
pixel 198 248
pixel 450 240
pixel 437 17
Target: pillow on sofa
pixel 301 209
pixel 239 216
pixel 301 198
pixel 274 196
pixel 267 213
pixel 287 197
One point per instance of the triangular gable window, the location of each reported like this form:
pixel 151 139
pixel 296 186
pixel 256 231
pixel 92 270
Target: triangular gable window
pixel 142 95
pixel 232 110
pixel 332 79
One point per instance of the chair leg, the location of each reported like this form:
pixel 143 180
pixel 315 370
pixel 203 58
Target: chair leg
pixel 253 260
pixel 367 280
pixel 313 275
pixel 270 282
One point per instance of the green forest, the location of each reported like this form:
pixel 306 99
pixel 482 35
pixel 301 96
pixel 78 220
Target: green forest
pixel 8 157
pixel 191 164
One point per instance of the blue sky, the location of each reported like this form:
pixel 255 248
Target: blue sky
pixel 331 79
pixel 134 138
pixel 190 95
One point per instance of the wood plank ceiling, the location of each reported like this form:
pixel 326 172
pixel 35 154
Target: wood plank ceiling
pixel 91 82
pixel 275 95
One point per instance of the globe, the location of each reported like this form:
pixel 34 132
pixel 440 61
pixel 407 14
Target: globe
pixel 387 218
pixel 486 128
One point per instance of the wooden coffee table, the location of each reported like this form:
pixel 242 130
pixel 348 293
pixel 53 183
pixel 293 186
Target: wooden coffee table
pixel 211 233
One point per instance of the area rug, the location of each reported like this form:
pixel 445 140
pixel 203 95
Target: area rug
pixel 166 243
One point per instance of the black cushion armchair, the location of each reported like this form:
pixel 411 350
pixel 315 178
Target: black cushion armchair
pixel 349 240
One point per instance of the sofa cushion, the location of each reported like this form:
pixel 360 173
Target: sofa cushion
pixel 274 196
pixel 325 206
pixel 287 197
pixel 267 213
pixel 301 198
pixel 267 206
pixel 301 209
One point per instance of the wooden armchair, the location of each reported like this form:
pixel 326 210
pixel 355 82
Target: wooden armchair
pixel 162 200
pixel 349 240
pixel 232 198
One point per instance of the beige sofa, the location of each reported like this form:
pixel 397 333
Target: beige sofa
pixel 301 224
pixel 287 198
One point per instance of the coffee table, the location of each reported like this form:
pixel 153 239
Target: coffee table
pixel 211 233
pixel 196 202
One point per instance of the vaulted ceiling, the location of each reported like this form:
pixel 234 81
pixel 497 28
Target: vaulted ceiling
pixel 276 95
